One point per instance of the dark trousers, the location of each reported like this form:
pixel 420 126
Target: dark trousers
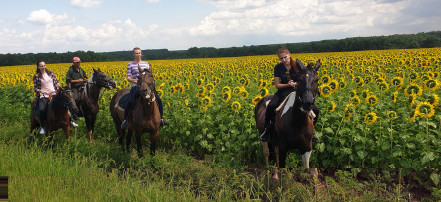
pixel 42 104
pixel 133 96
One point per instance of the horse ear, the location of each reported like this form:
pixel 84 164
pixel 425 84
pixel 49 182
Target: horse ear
pixel 300 64
pixel 94 69
pixel 139 69
pixel 317 65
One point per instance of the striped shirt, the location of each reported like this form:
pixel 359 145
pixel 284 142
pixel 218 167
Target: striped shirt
pixel 133 72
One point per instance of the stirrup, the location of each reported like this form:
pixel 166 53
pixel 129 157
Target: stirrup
pixel 124 124
pixel 164 123
pixel 265 136
pixel 315 138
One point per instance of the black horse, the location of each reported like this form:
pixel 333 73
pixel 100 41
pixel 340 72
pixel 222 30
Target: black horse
pixel 294 127
pixel 88 105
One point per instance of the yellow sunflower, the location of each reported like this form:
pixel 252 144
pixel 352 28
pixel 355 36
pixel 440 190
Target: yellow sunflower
pixel 425 109
pixel 397 81
pixel 431 84
pixel 356 101
pixel 392 115
pixel 235 106
pixel 226 89
pixel 186 102
pixel 383 86
pixel 237 90
pixel 332 106
pixel 394 96
pixel 325 91
pixel 263 92
pixel 372 99
pixel 256 99
pixel 160 92
pixel 413 89
pixel 210 87
pixel 325 79
pixel 226 96
pixel 206 101
pixel 350 108
pixel 352 93
pixel 433 99
pixel 370 118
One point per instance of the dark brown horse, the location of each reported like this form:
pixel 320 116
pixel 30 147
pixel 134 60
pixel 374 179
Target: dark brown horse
pixel 294 128
pixel 145 116
pixel 89 107
pixel 61 102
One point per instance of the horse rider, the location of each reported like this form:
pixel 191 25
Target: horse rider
pixel 132 76
pixel 75 79
pixel 45 82
pixel 285 77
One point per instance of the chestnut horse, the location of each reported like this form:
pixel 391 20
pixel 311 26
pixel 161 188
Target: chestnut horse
pixel 88 105
pixel 60 103
pixel 294 129
pixel 145 116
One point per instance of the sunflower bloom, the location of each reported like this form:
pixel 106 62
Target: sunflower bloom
pixel 370 118
pixel 206 101
pixel 413 89
pixel 235 106
pixel 433 99
pixel 424 109
pixel 332 107
pixel 356 101
pixel 394 96
pixel 256 99
pixel 431 84
pixel 325 90
pixel 372 99
pixel 226 96
pixel 392 115
pixel 263 92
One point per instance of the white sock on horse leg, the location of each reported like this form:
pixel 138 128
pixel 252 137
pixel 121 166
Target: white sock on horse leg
pixel 305 159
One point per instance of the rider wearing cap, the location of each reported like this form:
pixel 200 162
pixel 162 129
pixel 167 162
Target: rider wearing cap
pixel 75 79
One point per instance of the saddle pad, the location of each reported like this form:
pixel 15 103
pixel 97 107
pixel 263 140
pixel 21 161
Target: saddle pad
pixel 123 101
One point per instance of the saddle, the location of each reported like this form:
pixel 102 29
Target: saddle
pixel 122 103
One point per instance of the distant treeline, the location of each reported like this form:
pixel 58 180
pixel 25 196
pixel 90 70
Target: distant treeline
pixel 397 41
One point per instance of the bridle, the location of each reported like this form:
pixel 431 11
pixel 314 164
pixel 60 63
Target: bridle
pixel 148 91
pixel 302 89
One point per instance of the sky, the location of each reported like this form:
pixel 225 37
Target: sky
pixel 41 26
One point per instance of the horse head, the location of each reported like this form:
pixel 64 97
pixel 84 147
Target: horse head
pixel 66 98
pixel 307 84
pixel 146 84
pixel 102 80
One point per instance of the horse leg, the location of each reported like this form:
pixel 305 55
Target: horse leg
pixel 276 172
pixel 91 126
pixel 128 139
pixel 66 130
pixel 153 138
pixel 265 152
pixel 305 159
pixel 138 143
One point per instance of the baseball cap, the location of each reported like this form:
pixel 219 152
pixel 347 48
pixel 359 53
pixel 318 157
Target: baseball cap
pixel 76 59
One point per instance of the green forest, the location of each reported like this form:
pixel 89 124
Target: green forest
pixel 397 41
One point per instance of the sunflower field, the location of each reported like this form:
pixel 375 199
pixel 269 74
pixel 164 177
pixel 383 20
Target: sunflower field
pixel 378 109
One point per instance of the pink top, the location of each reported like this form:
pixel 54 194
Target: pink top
pixel 47 85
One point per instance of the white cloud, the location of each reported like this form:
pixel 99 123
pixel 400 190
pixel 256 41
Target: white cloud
pixel 43 16
pixel 295 18
pixel 85 3
pixel 152 1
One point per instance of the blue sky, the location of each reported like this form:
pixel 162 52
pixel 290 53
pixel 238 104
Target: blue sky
pixel 111 25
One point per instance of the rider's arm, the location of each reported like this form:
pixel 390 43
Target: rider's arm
pixel 279 85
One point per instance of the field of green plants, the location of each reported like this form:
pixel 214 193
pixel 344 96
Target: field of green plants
pixel 379 109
